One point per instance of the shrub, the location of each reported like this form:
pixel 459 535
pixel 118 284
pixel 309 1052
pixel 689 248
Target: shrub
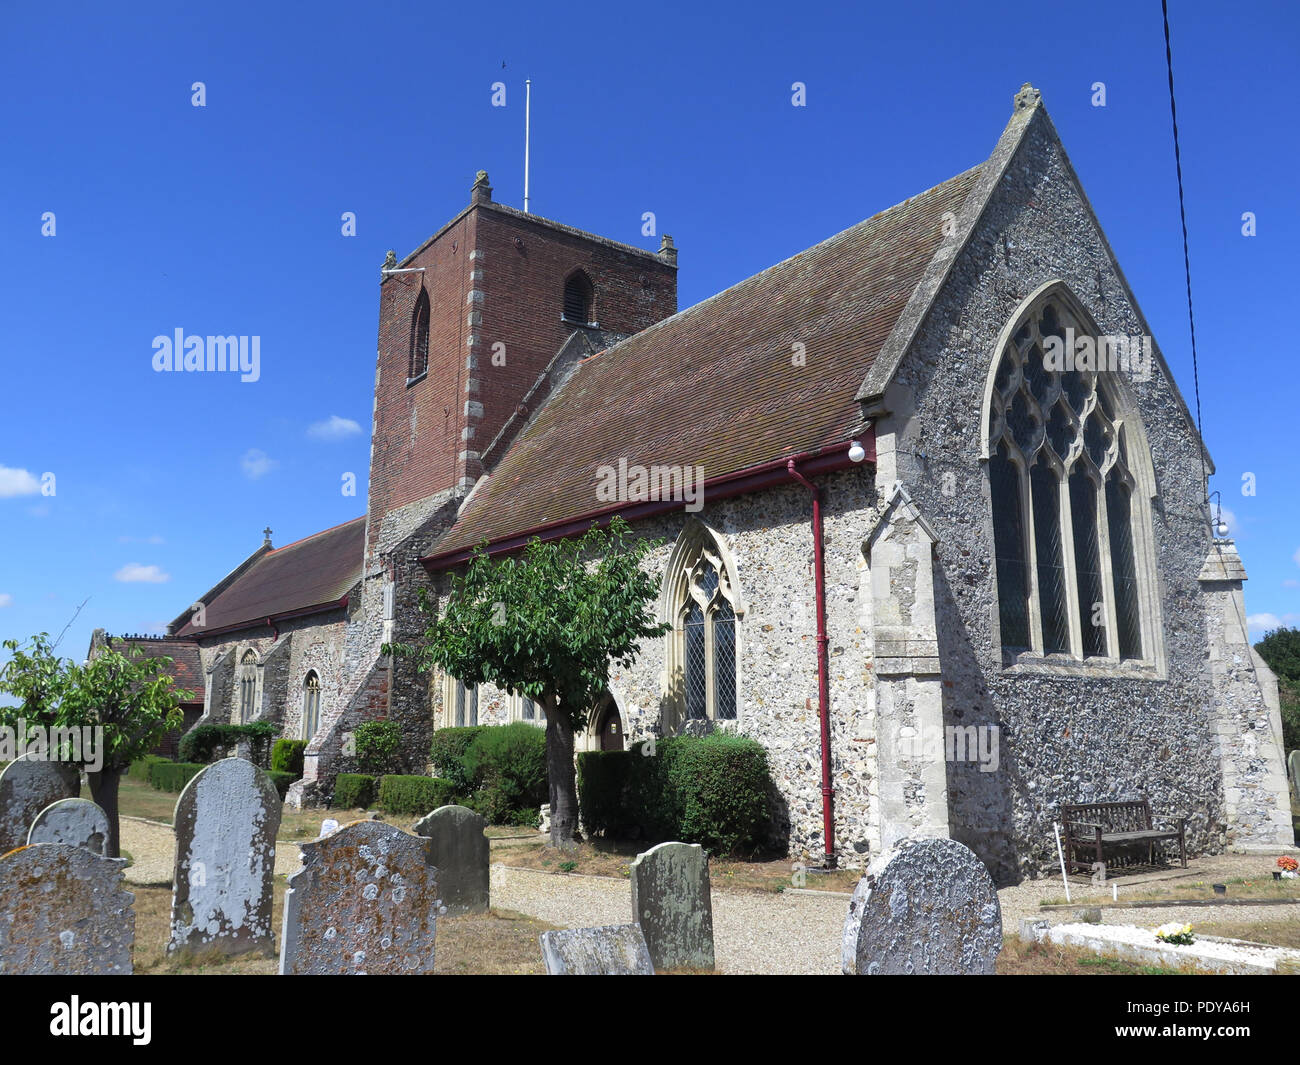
pixel 723 781
pixel 286 757
pixel 447 753
pixel 413 795
pixel 139 769
pixel 508 765
pixel 201 743
pixel 711 790
pixel 282 781
pixel 173 776
pixel 353 791
pixel 377 744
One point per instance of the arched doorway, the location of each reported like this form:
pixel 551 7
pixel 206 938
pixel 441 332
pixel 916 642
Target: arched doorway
pixel 607 726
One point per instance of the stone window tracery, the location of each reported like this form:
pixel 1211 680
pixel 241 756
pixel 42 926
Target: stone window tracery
pixel 310 705
pixel 1062 490
pixel 247 686
pixel 419 362
pixel 704 611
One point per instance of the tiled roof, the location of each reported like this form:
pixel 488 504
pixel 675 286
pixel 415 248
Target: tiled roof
pixel 186 669
pixel 717 385
pixel 313 572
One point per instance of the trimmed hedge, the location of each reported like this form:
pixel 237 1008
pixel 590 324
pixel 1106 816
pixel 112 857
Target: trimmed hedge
pixel 286 757
pixel 447 753
pixel 200 744
pixel 711 790
pixel 281 781
pixel 507 764
pixel 378 746
pixel 139 769
pixel 414 795
pixel 353 791
pixel 173 776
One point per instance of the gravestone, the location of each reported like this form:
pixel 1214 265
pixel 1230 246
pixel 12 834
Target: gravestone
pixel 27 786
pixel 672 904
pixel 364 901
pixel 1293 771
pixel 926 907
pixel 226 821
pixel 610 950
pixel 63 912
pixel 79 822
pixel 459 850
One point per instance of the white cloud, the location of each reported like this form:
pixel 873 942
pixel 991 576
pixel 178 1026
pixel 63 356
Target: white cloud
pixel 1296 556
pixel 1258 624
pixel 135 573
pixel 257 463
pixel 1290 583
pixel 6 599
pixel 15 482
pixel 333 428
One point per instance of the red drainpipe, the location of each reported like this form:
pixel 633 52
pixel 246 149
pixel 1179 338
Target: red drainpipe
pixel 823 665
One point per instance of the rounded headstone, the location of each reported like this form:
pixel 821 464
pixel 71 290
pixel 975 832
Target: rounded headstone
pixel 78 822
pixel 461 852
pixel 929 907
pixel 27 786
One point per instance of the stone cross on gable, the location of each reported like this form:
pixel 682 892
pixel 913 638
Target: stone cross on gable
pixel 267 534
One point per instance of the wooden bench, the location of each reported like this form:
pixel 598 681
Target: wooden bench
pixel 1092 829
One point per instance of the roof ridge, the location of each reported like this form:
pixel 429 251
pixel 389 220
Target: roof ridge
pixel 312 536
pixel 651 329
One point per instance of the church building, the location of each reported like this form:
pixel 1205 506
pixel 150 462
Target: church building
pixel 932 507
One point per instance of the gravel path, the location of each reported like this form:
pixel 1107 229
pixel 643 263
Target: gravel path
pixel 752 932
pixel 152 847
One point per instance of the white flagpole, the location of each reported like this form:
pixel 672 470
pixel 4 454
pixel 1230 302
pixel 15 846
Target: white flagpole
pixel 528 100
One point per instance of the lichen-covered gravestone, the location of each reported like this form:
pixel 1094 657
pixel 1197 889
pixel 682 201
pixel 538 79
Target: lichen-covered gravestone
pixel 672 904
pixel 63 912
pixel 27 786
pixel 460 852
pixel 364 901
pixel 610 950
pixel 79 822
pixel 226 821
pixel 927 907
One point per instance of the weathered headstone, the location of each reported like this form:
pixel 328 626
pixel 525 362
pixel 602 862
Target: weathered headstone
pixel 610 950
pixel 364 901
pixel 79 822
pixel 63 912
pixel 27 786
pixel 460 852
pixel 226 821
pixel 672 904
pixel 927 907
pixel 1293 771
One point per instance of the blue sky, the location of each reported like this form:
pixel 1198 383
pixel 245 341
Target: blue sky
pixel 225 219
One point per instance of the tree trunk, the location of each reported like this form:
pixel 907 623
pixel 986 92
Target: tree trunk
pixel 103 789
pixel 560 778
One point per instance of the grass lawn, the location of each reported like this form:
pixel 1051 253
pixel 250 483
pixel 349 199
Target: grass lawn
pixel 500 942
pixel 613 857
pixel 1259 887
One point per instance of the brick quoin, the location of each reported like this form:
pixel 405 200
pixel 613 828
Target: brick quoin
pixel 493 276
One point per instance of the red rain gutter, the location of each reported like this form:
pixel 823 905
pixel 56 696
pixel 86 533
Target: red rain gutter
pixel 823 664
pixel 753 479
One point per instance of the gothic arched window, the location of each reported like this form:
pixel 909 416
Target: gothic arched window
pixel 1062 490
pixel 578 298
pixel 702 603
pixel 419 337
pixel 247 686
pixel 310 705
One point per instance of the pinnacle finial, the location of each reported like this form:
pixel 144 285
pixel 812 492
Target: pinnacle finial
pixel 1027 98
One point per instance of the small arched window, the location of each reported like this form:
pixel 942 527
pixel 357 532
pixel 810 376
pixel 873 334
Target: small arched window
pixel 247 686
pixel 310 705
pixel 466 705
pixel 702 605
pixel 419 337
pixel 578 298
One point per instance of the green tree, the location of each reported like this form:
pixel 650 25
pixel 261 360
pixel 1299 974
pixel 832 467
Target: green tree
pixel 1280 648
pixel 129 700
pixel 548 624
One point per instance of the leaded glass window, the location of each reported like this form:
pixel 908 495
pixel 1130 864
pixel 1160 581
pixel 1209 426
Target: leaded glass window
pixel 310 705
pixel 1062 496
pixel 705 632
pixel 247 686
